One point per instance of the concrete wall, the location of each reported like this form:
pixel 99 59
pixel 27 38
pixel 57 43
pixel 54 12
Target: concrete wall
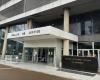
pixel 94 38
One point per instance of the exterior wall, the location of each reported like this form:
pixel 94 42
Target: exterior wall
pixel 90 38
pixel 41 43
pixel 86 26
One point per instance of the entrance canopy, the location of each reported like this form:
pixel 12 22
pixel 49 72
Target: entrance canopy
pixel 41 33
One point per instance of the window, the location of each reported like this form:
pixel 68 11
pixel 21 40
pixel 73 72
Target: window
pixel 85 45
pixel 88 28
pixel 19 27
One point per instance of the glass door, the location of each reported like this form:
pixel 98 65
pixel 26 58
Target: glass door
pixel 50 55
pixel 42 55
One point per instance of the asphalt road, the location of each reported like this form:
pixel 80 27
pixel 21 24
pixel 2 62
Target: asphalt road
pixel 9 73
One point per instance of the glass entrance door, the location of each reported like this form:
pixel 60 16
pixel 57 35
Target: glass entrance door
pixel 42 55
pixel 50 56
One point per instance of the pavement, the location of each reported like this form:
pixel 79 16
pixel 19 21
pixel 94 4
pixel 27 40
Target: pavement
pixel 10 73
pixel 52 70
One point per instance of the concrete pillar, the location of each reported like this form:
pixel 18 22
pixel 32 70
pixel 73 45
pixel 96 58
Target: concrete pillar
pixel 66 29
pixel 5 43
pixel 23 54
pixel 29 24
pixel 93 49
pixel 98 61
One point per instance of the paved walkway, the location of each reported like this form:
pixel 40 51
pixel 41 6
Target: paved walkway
pixel 49 70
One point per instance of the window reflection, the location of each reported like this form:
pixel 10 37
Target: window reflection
pixel 85 45
pixel 19 27
pixel 89 23
pixel 88 27
pixel 14 48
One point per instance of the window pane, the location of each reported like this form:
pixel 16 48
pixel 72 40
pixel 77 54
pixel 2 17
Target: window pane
pixel 85 45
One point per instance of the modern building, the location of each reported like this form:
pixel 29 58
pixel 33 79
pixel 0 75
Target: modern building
pixel 42 31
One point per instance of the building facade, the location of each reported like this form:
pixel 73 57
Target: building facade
pixel 42 31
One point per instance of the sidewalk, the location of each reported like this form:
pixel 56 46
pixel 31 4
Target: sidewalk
pixel 49 70
pixel 97 77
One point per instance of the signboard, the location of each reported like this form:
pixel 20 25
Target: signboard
pixel 30 32
pixel 89 64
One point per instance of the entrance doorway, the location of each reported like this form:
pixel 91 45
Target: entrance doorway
pixel 40 55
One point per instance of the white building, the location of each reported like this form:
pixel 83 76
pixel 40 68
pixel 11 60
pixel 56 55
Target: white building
pixel 42 31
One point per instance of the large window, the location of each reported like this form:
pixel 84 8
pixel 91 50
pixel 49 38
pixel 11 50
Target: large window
pixel 14 48
pixel 18 27
pixel 57 23
pixel 75 28
pixel 89 23
pixel 85 45
pixel 96 22
pixel 97 45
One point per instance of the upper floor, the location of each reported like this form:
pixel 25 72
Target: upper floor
pixel 86 26
pixel 17 10
pixel 11 8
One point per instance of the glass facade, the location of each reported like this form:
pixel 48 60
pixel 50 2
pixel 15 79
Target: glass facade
pixel 85 45
pixel 14 48
pixel 85 49
pixel 57 23
pixel 18 27
pixel 97 45
pixel 85 24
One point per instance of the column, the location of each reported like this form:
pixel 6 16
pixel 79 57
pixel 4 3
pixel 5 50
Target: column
pixel 66 29
pixel 29 23
pixel 4 44
pixel 98 61
pixel 93 49
pixel 23 54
